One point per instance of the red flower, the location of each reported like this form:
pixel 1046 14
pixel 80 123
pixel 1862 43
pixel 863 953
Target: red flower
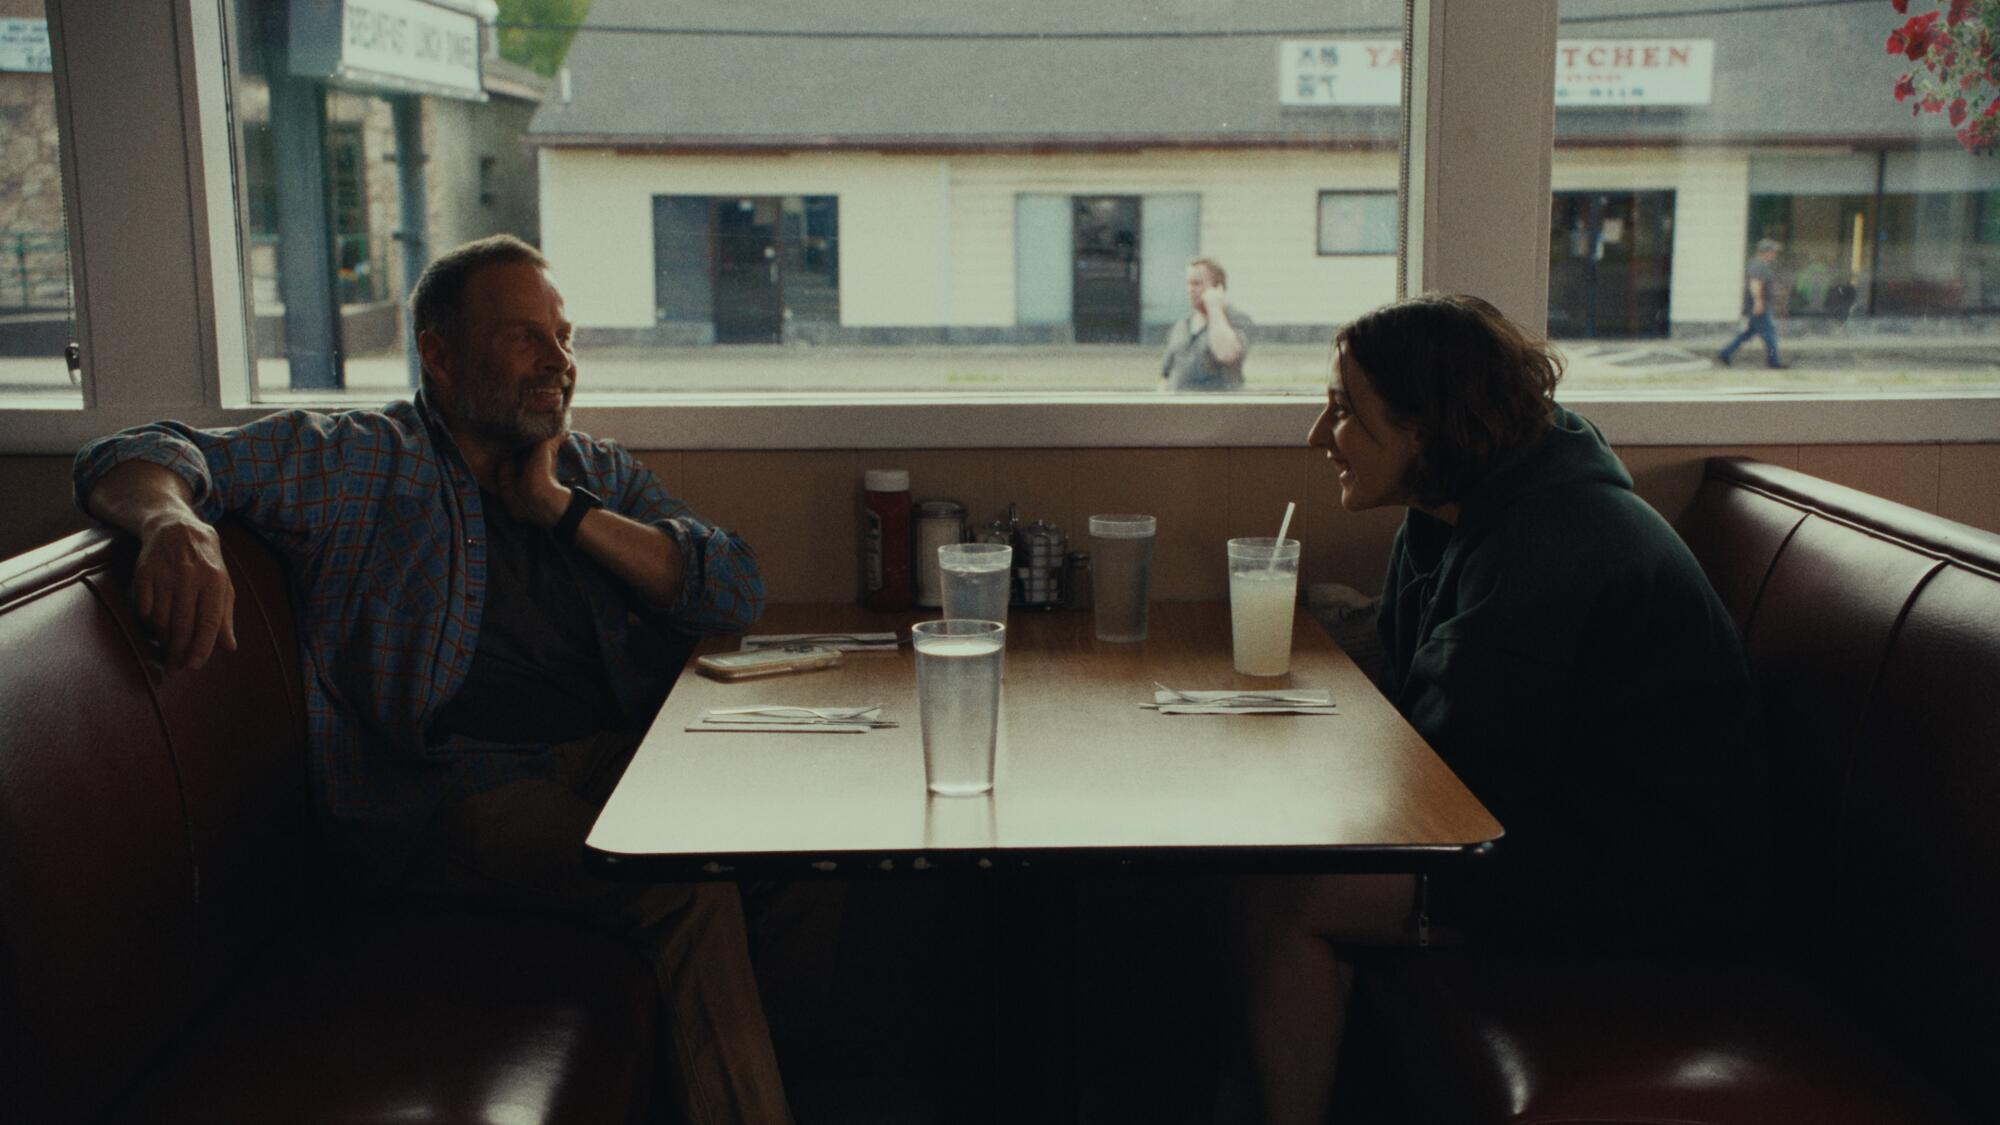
pixel 1992 108
pixel 1916 36
pixel 1905 86
pixel 1897 44
pixel 1957 111
pixel 1957 15
pixel 1932 105
pixel 1901 6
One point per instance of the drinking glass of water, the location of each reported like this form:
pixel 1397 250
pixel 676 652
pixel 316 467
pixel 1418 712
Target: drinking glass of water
pixel 977 577
pixel 958 700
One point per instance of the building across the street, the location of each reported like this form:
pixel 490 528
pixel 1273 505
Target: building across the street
pixel 1041 171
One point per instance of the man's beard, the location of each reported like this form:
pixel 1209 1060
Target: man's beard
pixel 510 426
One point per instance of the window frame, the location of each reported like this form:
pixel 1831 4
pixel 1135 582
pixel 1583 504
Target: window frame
pixel 163 310
pixel 1319 232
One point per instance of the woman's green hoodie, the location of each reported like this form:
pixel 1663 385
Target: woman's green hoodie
pixel 1562 651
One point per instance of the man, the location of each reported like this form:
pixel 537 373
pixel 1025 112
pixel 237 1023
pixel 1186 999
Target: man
pixel 467 569
pixel 1760 287
pixel 1205 349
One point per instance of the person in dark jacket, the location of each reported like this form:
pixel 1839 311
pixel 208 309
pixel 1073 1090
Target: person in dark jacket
pixel 1554 641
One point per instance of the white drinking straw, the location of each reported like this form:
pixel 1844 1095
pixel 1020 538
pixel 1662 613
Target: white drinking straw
pixel 1290 506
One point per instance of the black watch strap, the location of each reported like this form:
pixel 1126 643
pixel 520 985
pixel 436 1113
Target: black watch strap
pixel 581 500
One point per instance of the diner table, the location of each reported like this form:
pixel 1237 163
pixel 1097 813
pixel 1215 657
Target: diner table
pixel 1087 782
pixel 1085 775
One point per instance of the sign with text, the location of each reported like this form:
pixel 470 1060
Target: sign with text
pixel 1589 72
pixel 388 45
pixel 24 46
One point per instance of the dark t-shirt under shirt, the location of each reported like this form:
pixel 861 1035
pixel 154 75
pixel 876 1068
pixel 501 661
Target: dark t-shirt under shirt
pixel 538 671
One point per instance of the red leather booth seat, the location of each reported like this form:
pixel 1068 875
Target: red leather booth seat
pixel 160 960
pixel 1875 631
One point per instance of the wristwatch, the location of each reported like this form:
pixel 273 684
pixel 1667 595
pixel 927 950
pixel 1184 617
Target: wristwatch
pixel 581 501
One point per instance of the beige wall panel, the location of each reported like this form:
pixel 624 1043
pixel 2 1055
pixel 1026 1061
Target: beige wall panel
pixel 1903 473
pixel 1187 490
pixel 895 266
pixel 1043 483
pixel 1907 474
pixel 1351 548
pixel 1969 484
pixel 598 227
pixel 964 475
pixel 799 511
pixel 1667 477
pixel 1261 482
pixel 1711 213
pixel 1259 215
pixel 35 504
pixel 670 466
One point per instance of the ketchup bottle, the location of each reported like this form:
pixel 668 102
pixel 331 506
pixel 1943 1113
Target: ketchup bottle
pixel 886 584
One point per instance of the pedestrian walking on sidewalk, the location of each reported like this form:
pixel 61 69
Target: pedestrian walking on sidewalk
pixel 1760 285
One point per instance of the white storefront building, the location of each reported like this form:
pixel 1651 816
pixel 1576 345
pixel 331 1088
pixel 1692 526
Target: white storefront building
pixel 1043 173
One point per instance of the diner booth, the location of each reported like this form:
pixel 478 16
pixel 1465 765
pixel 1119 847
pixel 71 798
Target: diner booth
pixel 1041 952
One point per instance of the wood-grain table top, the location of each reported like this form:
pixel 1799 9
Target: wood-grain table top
pixel 1083 772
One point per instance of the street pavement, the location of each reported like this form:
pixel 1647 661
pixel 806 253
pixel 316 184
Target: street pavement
pixel 1858 363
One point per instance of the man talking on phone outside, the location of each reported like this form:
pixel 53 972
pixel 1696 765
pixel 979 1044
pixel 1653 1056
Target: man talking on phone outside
pixel 467 572
pixel 1205 350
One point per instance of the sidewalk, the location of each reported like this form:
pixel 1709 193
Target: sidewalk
pixel 1899 363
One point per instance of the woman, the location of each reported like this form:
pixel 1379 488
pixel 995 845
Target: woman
pixel 1554 641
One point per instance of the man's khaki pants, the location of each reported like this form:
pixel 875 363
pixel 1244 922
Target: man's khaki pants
pixel 521 846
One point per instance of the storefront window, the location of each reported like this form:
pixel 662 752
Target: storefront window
pixel 37 307
pixel 1697 152
pixel 1357 222
pixel 752 198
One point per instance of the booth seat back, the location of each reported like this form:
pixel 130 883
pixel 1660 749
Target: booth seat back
pixel 152 827
pixel 1874 630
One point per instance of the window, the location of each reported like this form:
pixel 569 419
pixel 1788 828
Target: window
pixel 166 331
pixel 1686 139
pixel 1357 222
pixel 36 318
pixel 737 198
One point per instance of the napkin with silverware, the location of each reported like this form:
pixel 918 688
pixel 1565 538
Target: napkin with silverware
pixel 788 719
pixel 840 642
pixel 1277 701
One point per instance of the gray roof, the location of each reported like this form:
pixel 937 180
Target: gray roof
pixel 1069 74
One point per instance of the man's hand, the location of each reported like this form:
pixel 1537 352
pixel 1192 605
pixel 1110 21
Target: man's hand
pixel 527 484
pixel 181 589
pixel 1214 300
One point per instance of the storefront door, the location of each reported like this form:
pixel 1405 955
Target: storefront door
pixel 748 285
pixel 1105 295
pixel 1610 264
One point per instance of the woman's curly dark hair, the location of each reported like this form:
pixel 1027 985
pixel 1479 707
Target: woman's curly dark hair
pixel 1476 385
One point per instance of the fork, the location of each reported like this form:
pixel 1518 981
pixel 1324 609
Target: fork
pixel 804 721
pixel 833 713
pixel 1239 697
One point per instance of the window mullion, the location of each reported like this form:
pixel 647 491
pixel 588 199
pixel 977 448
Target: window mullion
pixel 130 167
pixel 1479 129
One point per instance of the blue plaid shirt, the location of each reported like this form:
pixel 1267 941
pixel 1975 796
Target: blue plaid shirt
pixel 380 519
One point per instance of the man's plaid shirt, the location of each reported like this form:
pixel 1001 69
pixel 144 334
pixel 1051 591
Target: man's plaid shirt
pixel 380 519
